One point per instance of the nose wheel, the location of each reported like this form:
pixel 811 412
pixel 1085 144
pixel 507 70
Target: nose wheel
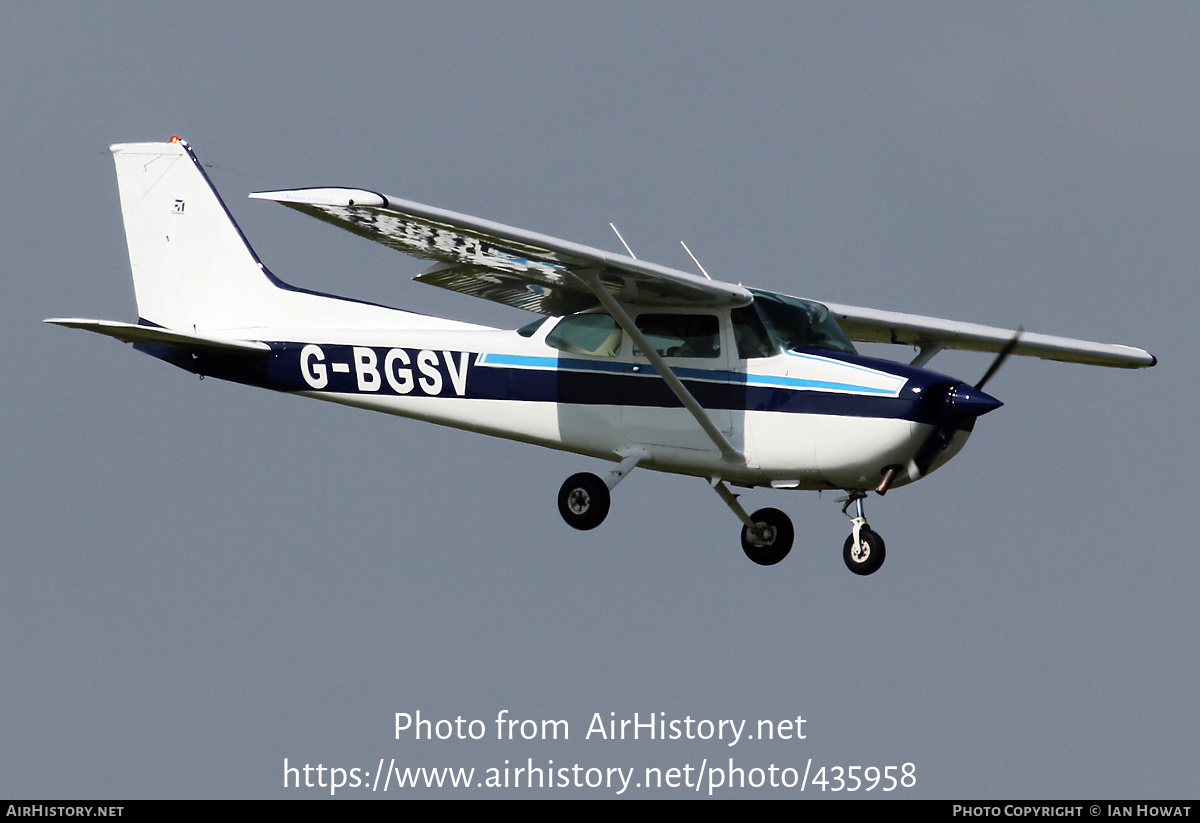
pixel 865 556
pixel 864 549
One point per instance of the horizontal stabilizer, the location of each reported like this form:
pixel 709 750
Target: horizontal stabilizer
pixel 156 336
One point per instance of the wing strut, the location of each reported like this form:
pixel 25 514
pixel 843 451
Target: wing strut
pixel 928 351
pixel 591 277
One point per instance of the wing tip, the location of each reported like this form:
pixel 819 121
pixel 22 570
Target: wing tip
pixel 324 196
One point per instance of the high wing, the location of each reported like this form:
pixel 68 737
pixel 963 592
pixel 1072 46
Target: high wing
pixel 547 275
pixel 502 263
pixel 932 334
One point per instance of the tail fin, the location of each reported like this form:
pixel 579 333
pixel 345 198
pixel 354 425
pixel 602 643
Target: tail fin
pixel 192 269
pixel 194 272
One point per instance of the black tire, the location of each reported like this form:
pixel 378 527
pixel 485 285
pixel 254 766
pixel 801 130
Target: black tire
pixel 583 501
pixel 775 544
pixel 870 555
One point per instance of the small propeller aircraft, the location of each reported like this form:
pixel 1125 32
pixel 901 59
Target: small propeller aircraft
pixel 630 362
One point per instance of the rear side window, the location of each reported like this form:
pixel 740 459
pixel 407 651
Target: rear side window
pixel 682 335
pixel 595 334
pixel 529 329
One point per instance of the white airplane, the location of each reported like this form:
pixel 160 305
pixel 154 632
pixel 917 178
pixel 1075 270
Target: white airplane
pixel 630 362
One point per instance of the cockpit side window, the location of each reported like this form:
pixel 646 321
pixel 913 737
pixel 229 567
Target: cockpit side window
pixel 595 334
pixel 682 335
pixel 796 323
pixel 751 335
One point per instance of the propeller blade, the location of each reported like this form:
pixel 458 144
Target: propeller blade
pixel 955 408
pixel 1000 358
pixel 937 402
pixel 937 440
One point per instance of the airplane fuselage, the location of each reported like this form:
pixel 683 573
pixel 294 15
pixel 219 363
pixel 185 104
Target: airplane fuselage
pixel 805 419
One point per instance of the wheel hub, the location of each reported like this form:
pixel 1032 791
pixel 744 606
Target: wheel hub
pixel 762 535
pixel 579 501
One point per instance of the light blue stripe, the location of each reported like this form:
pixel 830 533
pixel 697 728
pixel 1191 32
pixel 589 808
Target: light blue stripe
pixel 536 362
pixel 647 370
pixel 841 363
pixel 530 361
pixel 795 382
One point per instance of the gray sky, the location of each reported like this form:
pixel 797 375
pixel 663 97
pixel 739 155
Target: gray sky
pixel 199 579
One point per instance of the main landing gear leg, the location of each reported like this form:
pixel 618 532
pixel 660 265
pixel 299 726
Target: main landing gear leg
pixel 584 498
pixel 864 550
pixel 767 534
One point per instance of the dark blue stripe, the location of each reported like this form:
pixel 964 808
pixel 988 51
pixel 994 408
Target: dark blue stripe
pixel 582 382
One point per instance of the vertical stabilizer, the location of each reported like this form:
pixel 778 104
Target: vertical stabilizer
pixel 192 269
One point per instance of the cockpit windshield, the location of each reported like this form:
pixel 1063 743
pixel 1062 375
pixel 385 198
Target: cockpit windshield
pixel 794 323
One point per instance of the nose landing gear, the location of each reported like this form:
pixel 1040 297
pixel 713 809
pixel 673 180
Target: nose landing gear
pixel 864 550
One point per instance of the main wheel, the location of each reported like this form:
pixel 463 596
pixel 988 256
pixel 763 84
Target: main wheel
pixel 583 501
pixel 772 541
pixel 867 556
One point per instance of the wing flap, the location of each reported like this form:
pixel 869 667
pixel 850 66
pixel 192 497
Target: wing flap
pixel 502 263
pixel 524 291
pixel 875 326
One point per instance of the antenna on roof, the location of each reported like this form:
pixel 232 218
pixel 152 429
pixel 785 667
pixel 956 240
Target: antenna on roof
pixel 622 239
pixel 694 260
